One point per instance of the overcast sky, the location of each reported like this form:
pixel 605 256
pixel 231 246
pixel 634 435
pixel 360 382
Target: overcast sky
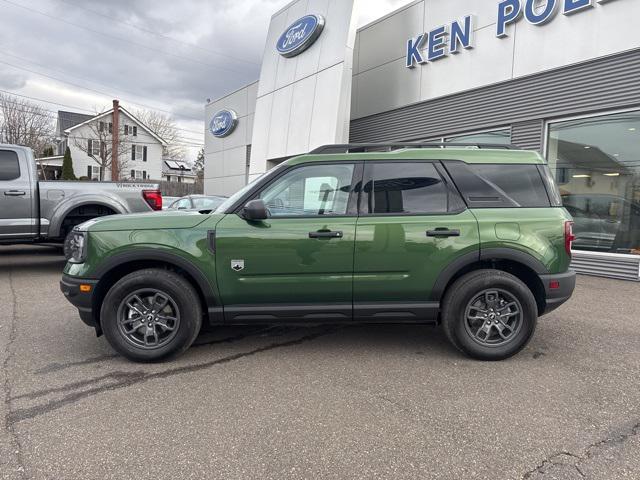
pixel 164 55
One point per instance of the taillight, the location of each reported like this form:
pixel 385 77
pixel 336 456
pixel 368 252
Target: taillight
pixel 153 198
pixel 569 237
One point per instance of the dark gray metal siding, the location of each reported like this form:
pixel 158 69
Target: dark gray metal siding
pixel 602 84
pixel 528 135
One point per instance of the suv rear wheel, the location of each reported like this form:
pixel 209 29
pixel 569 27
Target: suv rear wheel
pixel 489 314
pixel 151 315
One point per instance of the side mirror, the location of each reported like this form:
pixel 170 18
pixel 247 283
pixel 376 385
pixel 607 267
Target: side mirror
pixel 255 210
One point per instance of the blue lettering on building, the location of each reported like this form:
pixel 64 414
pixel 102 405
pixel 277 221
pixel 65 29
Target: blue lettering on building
pixel 451 39
pixel 440 42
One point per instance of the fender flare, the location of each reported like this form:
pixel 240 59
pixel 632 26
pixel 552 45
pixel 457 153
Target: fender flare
pixel 64 208
pixel 463 261
pixel 198 276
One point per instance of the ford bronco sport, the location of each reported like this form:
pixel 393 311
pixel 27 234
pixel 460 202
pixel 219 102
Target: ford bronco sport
pixel 473 238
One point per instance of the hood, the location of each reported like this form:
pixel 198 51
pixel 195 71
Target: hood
pixel 146 221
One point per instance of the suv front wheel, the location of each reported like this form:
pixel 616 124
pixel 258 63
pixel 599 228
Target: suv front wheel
pixel 489 314
pixel 150 315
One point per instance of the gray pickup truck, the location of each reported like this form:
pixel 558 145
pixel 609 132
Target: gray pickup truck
pixel 35 211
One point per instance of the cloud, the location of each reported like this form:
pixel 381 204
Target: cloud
pixel 11 80
pixel 168 55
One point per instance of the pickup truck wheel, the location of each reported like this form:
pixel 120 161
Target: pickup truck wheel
pixel 151 315
pixel 489 314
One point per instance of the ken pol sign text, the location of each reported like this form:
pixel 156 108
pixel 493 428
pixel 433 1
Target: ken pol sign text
pixel 457 36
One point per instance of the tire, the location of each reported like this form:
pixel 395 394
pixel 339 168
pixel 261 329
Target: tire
pixel 479 325
pixel 138 298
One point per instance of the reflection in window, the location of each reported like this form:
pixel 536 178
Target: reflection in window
pixel 500 137
pixel 310 191
pixel 596 162
pixel 404 188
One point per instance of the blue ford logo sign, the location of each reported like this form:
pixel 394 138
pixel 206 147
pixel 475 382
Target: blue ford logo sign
pixel 300 35
pixel 223 123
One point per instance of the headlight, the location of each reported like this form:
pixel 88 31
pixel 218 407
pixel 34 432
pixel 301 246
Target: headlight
pixel 76 247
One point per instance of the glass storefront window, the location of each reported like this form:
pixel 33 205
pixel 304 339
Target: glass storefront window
pixel 500 137
pixel 596 163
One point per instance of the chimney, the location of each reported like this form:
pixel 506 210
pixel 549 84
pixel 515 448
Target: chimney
pixel 116 141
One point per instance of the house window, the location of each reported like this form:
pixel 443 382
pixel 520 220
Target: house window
pixel 94 173
pixel 139 174
pixel 101 127
pixel 93 148
pixel 135 131
pixel 126 129
pixel 110 127
pixel 138 152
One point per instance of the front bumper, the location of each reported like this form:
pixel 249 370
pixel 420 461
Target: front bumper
pixel 83 301
pixel 558 289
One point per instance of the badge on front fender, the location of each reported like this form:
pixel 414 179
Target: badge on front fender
pixel 237 265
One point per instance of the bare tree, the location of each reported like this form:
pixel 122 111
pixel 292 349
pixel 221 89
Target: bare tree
pixel 25 123
pixel 98 143
pixel 165 127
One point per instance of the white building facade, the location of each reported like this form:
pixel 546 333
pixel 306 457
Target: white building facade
pixel 558 76
pixel 140 149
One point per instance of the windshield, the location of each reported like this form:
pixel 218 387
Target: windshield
pixel 228 203
pixel 207 203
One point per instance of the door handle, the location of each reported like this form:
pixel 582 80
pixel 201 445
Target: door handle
pixel 325 234
pixel 443 232
pixel 14 193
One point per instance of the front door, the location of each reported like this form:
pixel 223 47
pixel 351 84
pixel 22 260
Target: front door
pixel 412 225
pixel 298 264
pixel 16 216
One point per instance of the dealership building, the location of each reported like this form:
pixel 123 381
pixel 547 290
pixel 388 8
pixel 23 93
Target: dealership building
pixel 561 77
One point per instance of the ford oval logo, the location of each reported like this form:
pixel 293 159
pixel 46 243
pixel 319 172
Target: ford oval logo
pixel 300 35
pixel 223 123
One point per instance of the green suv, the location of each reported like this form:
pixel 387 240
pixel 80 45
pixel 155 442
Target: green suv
pixel 473 238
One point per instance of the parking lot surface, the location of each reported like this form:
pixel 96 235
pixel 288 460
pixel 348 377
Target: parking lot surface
pixel 317 402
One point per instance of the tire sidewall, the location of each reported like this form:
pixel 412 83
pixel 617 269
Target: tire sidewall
pixel 170 284
pixel 466 291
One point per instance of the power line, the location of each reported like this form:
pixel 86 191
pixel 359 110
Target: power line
pixel 183 141
pixel 86 80
pixel 89 89
pixel 127 41
pixel 54 115
pixel 157 34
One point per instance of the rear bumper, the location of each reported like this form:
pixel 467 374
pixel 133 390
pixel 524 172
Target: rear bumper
pixel 558 289
pixel 83 301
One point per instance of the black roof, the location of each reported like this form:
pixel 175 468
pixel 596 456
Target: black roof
pixel 70 119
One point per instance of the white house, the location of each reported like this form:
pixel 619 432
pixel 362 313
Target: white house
pixel 177 171
pixel 90 140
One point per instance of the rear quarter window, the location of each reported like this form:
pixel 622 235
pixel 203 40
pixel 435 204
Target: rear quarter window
pixel 499 185
pixel 9 166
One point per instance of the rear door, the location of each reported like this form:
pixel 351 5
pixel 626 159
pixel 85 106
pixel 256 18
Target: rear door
pixel 16 215
pixel 412 225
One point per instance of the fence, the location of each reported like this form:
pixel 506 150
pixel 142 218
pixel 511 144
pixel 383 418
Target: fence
pixel 175 189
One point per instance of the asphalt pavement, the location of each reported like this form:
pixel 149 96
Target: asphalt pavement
pixel 318 402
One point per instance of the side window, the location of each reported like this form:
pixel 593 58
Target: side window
pixel 499 185
pixel 183 204
pixel 9 165
pixel 403 188
pixel 313 190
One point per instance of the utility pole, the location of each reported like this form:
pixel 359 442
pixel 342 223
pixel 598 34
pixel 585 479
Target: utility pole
pixel 115 154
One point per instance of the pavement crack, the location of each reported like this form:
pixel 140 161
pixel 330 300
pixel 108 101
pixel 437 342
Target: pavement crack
pixel 9 425
pixel 56 367
pixel 123 380
pixel 571 459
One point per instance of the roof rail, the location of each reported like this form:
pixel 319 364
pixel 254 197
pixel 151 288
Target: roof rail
pixel 388 147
